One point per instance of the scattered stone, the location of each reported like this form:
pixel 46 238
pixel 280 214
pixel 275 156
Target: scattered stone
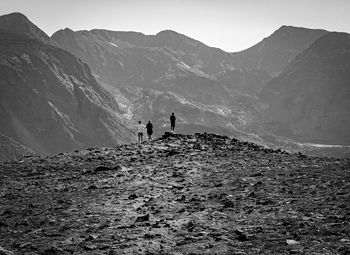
pixel 52 251
pixel 142 218
pixel 291 242
pixel 101 169
pixel 92 186
pixel 90 247
pixel 5 252
pixel 241 236
pixel 195 196
pixel 172 153
pixel 132 196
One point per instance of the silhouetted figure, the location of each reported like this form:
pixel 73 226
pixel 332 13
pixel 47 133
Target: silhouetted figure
pixel 140 130
pixel 149 128
pixel 172 122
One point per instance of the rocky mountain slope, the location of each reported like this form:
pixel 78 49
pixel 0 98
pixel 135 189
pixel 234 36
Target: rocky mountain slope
pixel 17 23
pixel 248 82
pixel 11 149
pixel 49 100
pixel 310 100
pixel 160 62
pixel 275 52
pixel 189 52
pixel 183 194
pixel 155 75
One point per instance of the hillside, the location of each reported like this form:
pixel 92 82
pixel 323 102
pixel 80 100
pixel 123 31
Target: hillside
pixel 11 149
pixel 275 52
pixel 310 100
pixel 17 23
pixel 49 100
pixel 182 194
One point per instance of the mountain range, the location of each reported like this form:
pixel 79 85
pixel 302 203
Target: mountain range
pixel 77 89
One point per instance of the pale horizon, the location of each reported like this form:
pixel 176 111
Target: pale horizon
pixel 229 25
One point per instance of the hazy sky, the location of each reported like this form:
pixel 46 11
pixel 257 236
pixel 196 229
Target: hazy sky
pixel 228 24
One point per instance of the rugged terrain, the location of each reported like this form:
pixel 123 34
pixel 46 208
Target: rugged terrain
pixel 182 194
pixel 309 100
pixel 49 100
pixel 11 149
pixel 18 24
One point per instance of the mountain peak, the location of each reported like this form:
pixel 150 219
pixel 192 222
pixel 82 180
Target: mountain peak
pixel 274 52
pixel 284 28
pixel 171 34
pixel 18 23
pixel 15 15
pixel 301 34
pixel 167 31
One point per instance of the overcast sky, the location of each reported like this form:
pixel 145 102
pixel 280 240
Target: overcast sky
pixel 232 25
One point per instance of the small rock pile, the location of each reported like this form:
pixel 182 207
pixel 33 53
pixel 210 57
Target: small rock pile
pixel 181 194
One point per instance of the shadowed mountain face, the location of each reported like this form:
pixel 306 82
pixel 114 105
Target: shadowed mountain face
pixel 310 100
pixel 11 149
pixel 19 24
pixel 248 82
pixel 49 100
pixel 275 52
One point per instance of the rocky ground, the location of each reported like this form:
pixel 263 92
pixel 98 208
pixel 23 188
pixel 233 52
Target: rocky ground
pixel 199 194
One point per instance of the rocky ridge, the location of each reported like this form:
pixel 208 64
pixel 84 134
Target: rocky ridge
pixel 275 52
pixel 181 194
pixel 49 100
pixel 17 23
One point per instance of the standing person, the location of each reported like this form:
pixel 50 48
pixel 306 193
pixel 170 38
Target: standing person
pixel 149 128
pixel 140 130
pixel 172 122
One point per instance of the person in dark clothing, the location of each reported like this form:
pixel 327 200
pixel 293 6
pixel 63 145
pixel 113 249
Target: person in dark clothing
pixel 172 122
pixel 149 128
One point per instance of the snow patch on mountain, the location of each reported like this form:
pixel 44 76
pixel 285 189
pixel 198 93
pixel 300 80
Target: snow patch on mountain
pixel 113 44
pixel 326 145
